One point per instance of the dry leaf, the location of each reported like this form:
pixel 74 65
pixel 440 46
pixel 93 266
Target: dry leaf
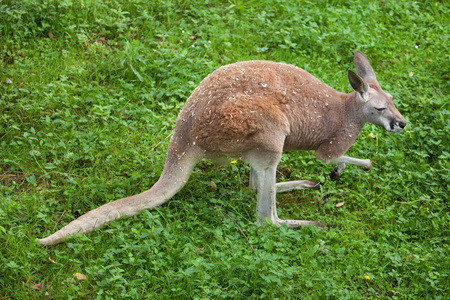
pixel 407 258
pixel 213 184
pixel 340 204
pixel 37 286
pixel 50 34
pixel 323 249
pixel 20 85
pixel 79 276
pixel 192 37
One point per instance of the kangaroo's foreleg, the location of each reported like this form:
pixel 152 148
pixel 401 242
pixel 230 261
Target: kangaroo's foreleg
pixel 341 161
pixel 337 171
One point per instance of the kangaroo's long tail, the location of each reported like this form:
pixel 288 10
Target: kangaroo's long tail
pixel 176 172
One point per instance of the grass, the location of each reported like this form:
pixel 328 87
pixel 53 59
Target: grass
pixel 90 90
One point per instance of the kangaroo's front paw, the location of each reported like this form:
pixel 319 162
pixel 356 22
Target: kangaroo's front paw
pixel 335 173
pixel 368 166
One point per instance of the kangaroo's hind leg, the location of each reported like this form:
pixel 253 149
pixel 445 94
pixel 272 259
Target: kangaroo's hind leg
pixel 253 179
pixel 264 164
pixel 282 187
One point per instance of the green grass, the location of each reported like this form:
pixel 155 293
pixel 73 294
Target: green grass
pixel 90 90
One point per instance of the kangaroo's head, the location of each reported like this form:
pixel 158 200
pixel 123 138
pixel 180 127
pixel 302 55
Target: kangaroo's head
pixel 378 107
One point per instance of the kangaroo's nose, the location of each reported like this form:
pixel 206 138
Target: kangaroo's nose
pixel 402 124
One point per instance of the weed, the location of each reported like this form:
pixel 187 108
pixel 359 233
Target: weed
pixel 90 90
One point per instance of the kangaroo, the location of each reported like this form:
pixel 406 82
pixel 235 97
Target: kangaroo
pixel 255 110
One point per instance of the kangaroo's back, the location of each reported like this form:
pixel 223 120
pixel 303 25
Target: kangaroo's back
pixel 233 104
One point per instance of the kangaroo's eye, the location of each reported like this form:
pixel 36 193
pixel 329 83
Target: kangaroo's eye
pixel 380 109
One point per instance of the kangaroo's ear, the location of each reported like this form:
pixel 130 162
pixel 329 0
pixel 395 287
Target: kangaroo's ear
pixel 359 85
pixel 363 67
